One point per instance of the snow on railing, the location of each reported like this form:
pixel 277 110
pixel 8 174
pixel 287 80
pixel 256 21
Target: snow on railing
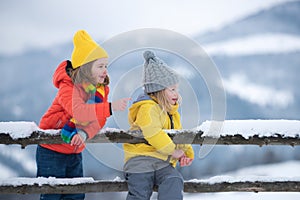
pixel 53 185
pixel 230 132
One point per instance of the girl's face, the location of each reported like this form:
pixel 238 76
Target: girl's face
pixel 172 94
pixel 99 70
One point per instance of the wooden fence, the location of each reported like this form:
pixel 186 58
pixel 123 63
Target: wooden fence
pixel 179 137
pixel 201 186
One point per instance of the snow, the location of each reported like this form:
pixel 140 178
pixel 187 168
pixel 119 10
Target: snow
pixel 278 171
pixel 290 173
pixel 6 172
pixel 18 129
pixel 287 171
pixel 22 129
pixel 18 181
pixel 117 179
pixel 257 44
pixel 248 128
pixel 17 155
pixel 272 172
pixel 244 196
pixel 233 179
pixel 115 130
pixel 239 85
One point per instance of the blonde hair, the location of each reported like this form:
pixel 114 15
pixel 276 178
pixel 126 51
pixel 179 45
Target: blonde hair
pixel 83 74
pixel 162 100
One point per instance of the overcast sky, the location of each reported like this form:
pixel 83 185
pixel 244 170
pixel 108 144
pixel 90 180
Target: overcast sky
pixel 35 23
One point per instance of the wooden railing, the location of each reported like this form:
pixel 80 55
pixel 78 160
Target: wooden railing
pixel 84 185
pixel 179 137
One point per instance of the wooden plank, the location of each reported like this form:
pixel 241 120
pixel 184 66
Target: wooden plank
pixel 103 186
pixel 257 186
pixel 121 186
pixel 179 137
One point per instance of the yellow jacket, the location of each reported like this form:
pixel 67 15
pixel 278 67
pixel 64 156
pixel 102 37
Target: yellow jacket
pixel 145 114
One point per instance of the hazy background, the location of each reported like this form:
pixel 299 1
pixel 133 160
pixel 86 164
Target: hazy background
pixel 43 24
pixel 255 45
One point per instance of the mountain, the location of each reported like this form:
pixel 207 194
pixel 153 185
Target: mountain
pixel 26 89
pixel 27 78
pixel 283 18
pixel 259 58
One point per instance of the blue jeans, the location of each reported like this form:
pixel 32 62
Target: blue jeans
pixel 168 180
pixel 59 165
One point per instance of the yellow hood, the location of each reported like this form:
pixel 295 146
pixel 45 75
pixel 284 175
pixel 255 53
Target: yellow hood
pixel 145 114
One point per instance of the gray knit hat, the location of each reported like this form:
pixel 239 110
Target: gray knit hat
pixel 157 75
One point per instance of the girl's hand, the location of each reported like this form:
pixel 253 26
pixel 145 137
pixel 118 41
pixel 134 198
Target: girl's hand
pixel 178 153
pixel 120 104
pixel 77 141
pixel 185 161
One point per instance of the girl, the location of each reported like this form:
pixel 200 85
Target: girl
pixel 80 109
pixel 154 163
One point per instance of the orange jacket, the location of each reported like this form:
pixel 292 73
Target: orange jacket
pixel 69 102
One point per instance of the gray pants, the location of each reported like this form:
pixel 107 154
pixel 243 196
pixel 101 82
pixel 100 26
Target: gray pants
pixel 168 180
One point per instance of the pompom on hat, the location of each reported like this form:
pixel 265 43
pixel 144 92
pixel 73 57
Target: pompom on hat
pixel 85 49
pixel 157 75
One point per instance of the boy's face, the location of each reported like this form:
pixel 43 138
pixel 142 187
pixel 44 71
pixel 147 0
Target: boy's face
pixel 99 70
pixel 172 94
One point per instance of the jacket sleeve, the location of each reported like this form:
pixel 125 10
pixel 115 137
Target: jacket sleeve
pixel 149 120
pixel 188 149
pixel 73 102
pixel 91 129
